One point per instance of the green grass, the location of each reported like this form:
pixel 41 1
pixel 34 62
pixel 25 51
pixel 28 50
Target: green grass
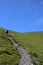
pixel 8 53
pixel 32 41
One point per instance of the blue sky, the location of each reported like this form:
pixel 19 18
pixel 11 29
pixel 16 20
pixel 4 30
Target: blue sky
pixel 21 15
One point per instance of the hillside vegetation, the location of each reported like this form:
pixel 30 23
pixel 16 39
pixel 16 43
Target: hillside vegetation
pixel 32 41
pixel 8 53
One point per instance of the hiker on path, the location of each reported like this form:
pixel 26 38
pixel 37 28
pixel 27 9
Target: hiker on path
pixel 6 32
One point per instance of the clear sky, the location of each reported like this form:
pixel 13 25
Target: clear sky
pixel 21 15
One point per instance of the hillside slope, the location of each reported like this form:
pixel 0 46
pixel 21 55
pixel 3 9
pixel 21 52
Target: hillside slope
pixel 8 54
pixel 33 42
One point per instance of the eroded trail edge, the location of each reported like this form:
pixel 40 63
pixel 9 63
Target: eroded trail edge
pixel 25 57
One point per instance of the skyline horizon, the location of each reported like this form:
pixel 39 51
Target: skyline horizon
pixel 20 31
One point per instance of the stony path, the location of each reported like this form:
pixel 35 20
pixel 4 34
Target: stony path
pixel 25 57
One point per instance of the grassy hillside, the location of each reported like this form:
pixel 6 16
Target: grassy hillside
pixel 8 54
pixel 33 42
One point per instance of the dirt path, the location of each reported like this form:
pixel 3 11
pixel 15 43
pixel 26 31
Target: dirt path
pixel 25 57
